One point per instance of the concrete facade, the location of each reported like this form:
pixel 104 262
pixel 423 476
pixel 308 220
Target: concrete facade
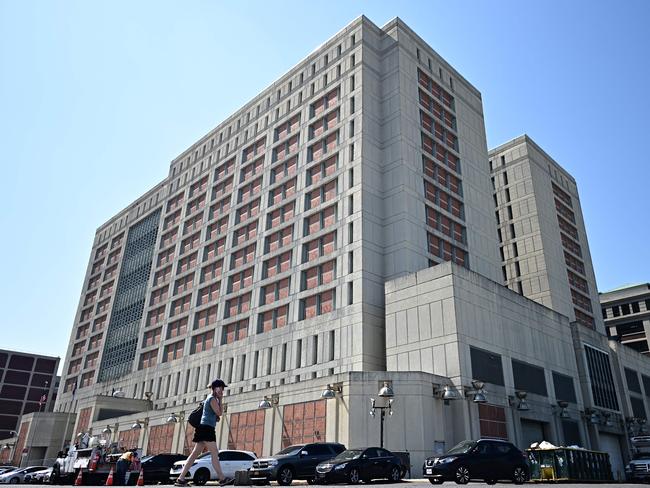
pixel 24 379
pixel 626 312
pixel 201 264
pixel 339 230
pixel 544 248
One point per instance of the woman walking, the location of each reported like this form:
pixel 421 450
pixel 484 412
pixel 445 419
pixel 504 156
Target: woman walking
pixel 204 435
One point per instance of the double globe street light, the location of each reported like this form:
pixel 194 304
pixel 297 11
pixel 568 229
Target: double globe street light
pixel 386 392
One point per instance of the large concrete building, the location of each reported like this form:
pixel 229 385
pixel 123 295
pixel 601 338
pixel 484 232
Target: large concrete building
pixel 28 383
pixel 339 230
pixel 542 236
pixel 626 312
pixel 262 257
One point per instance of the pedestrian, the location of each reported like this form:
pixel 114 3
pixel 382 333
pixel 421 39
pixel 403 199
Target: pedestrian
pixel 121 468
pixel 204 434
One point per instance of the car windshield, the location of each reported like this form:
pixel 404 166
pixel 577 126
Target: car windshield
pixel 349 454
pixel 289 450
pixel 204 455
pixel 146 458
pixel 462 448
pixel 641 455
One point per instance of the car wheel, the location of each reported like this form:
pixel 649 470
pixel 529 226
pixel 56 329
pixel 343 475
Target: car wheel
pixel 285 476
pixel 519 475
pixel 395 474
pixel 311 481
pixel 436 481
pixel 14 481
pixel 354 476
pixel 201 477
pixel 462 475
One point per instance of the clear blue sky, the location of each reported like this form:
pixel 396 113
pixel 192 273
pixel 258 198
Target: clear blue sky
pixel 97 97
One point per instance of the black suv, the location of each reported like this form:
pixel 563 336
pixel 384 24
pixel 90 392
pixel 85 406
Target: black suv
pixel 296 462
pixel 487 459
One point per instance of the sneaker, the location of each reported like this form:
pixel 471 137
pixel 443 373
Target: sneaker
pixel 226 481
pixel 181 483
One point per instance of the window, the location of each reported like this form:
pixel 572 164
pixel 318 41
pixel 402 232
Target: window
pixel 319 247
pixel 486 366
pixel 272 319
pixel 248 210
pixel 322 104
pixel 318 275
pixel 274 291
pixel 205 317
pixel 279 239
pixel 243 256
pixel 282 192
pixel 601 379
pixel 284 169
pixel 176 328
pixel 280 215
pixel 632 379
pixel 325 146
pixel 244 233
pixel 241 279
pixel 277 264
pixel 238 305
pixel 234 332
pixel 322 170
pixel 317 304
pixel 320 195
pixel 208 294
pixel 285 149
pixel 202 342
pixel 529 378
pixel 320 220
pixel 173 351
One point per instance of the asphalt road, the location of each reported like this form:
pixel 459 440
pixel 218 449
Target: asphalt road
pixel 424 483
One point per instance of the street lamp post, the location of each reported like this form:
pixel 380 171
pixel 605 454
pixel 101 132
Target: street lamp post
pixel 386 392
pixel 41 401
pixel 178 419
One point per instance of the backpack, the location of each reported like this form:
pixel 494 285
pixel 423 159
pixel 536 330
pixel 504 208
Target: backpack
pixel 194 418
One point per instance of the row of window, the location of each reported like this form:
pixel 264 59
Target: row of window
pixel 199 152
pixel 626 308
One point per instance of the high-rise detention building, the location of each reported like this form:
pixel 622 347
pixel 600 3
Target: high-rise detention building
pixel 542 237
pixel 262 257
pixel 335 234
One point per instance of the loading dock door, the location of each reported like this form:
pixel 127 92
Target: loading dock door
pixel 609 443
pixel 531 431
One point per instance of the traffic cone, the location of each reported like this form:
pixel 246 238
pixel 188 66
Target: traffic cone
pixel 79 480
pixel 141 478
pixel 109 480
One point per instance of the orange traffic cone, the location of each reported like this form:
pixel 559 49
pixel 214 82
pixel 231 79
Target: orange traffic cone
pixel 79 480
pixel 141 478
pixel 109 480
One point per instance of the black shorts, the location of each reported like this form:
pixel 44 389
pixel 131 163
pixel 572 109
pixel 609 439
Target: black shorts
pixel 204 433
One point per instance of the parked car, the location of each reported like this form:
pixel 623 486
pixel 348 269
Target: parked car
pixel 297 462
pixel 202 471
pixel 156 468
pixel 364 464
pixel 18 475
pixel 638 469
pixel 37 477
pixel 487 459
